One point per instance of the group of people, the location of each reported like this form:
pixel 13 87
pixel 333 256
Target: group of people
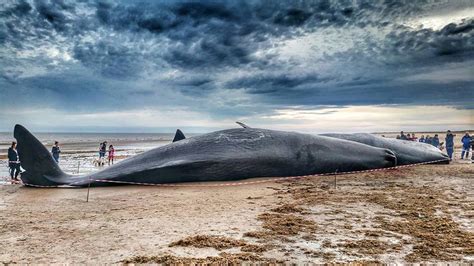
pixel 431 140
pixel 103 150
pixel 408 136
pixel 467 142
pixel 428 139
pixel 55 151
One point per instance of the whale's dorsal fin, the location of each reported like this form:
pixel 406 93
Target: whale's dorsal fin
pixel 178 135
pixel 242 124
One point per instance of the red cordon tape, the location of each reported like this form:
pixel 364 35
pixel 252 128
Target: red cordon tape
pixel 245 182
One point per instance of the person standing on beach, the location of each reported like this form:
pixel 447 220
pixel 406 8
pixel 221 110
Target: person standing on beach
pixel 435 141
pixel 111 154
pixel 102 149
pixel 422 138
pixel 466 143
pixel 14 163
pixel 55 151
pixel 403 136
pixel 472 148
pixel 450 144
pixel 428 139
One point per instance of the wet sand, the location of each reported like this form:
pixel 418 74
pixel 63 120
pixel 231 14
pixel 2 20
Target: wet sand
pixel 424 213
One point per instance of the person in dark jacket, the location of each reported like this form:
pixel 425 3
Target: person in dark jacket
pixel 55 151
pixel 466 143
pixel 428 139
pixel 472 148
pixel 422 138
pixel 14 163
pixel 102 149
pixel 403 136
pixel 450 144
pixel 435 141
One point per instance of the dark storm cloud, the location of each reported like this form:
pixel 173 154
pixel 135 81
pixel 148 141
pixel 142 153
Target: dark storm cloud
pixel 110 59
pixel 202 34
pixel 218 33
pixel 316 91
pixel 20 9
pixel 269 84
pixel 232 46
pixel 450 40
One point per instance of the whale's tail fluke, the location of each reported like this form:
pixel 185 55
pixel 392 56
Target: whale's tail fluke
pixel 178 135
pixel 40 167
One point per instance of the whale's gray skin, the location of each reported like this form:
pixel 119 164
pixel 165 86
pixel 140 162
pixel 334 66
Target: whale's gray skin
pixel 407 152
pixel 231 154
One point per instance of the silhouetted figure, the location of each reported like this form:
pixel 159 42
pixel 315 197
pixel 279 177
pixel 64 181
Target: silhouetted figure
pixel 422 138
pixel 403 136
pixel 14 163
pixel 428 139
pixel 435 141
pixel 466 144
pixel 55 151
pixel 102 149
pixel 450 144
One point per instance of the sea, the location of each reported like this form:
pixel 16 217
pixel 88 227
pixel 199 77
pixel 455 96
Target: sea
pixel 80 151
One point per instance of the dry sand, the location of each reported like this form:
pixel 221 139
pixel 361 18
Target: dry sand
pixel 424 213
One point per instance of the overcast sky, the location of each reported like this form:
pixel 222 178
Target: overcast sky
pixel 312 66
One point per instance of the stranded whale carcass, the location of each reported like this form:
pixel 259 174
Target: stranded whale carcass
pixel 225 155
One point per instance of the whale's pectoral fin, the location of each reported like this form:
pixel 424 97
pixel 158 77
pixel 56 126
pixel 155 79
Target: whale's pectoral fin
pixel 178 135
pixel 242 124
pixel 41 169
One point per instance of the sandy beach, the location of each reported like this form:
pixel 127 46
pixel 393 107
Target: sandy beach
pixel 422 213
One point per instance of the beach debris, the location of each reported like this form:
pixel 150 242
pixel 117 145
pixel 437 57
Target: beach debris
pixel 205 241
pixel 288 208
pixel 223 259
pixel 279 226
pixel 219 243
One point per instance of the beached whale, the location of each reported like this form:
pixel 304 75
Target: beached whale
pixel 407 152
pixel 225 155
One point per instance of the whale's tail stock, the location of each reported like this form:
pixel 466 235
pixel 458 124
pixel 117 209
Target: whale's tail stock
pixel 40 167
